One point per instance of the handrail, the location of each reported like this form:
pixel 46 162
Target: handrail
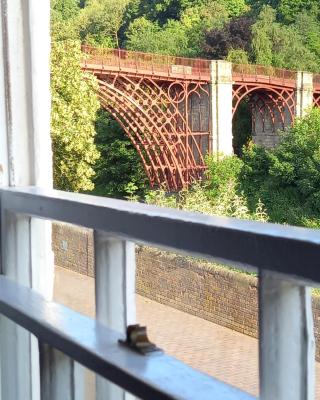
pixel 243 243
pixel 156 377
pixel 139 61
pixel 316 81
pixel 153 62
pixel 263 70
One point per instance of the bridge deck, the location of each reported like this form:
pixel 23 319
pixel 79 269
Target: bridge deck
pixel 169 73
pixel 263 75
pixel 114 61
pixel 145 64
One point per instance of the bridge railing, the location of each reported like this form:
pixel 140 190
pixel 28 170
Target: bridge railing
pixel 252 72
pixel 138 62
pixel 316 82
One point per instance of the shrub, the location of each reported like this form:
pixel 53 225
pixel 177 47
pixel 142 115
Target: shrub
pixel 287 179
pixel 221 170
pixel 198 199
pixel 296 161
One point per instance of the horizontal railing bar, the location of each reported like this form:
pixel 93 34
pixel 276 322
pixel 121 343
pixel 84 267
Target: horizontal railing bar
pixel 284 249
pixel 157 377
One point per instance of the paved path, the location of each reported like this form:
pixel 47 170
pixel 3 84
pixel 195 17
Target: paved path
pixel 218 351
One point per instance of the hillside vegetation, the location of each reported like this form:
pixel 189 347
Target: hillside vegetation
pixel 282 33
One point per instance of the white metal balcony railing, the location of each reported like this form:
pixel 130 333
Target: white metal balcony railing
pixel 286 336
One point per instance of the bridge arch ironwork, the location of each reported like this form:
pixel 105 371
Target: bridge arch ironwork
pixel 269 101
pixel 155 116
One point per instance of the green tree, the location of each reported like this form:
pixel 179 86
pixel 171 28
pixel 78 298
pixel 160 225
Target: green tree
pixel 286 10
pixel 308 26
pixel 119 171
pixel 197 20
pixel 64 15
pixel 280 45
pixel 100 21
pixel 181 37
pixel 261 37
pixel 296 161
pixel 74 107
pixel 289 9
pixel 159 11
pixel 66 9
pixel 238 56
pixel 144 35
pixel 235 8
pixel 287 178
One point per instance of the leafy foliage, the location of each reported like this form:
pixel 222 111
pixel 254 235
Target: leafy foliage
pixel 181 37
pixel 222 170
pixel 296 161
pixel 289 9
pixel 144 35
pixel 65 9
pixel 100 21
pixel 279 45
pixel 119 171
pixel 287 179
pixel 227 202
pixel 63 16
pixel 74 107
pixel 235 35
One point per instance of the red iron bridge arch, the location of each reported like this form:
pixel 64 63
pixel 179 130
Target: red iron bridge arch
pixel 164 105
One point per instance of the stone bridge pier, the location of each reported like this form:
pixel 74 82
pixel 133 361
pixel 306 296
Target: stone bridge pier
pixel 273 105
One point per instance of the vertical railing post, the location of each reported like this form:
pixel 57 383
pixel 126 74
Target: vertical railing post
pixel 59 376
pixel 115 295
pixel 286 340
pixel 119 59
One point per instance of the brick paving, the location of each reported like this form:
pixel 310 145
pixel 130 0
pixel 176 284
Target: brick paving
pixel 228 355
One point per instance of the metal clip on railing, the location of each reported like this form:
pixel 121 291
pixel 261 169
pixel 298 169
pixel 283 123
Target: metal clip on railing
pixel 138 340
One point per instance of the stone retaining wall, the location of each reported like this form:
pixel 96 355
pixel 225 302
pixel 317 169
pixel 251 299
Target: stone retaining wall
pixel 217 294
pixel 221 295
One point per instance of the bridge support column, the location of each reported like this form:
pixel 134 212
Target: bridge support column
pixel 304 93
pixel 221 106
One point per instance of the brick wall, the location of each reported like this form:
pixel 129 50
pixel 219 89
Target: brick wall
pixel 223 296
pixel 73 248
pixel 217 294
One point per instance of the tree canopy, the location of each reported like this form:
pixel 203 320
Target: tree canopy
pixel 73 114
pixel 283 33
